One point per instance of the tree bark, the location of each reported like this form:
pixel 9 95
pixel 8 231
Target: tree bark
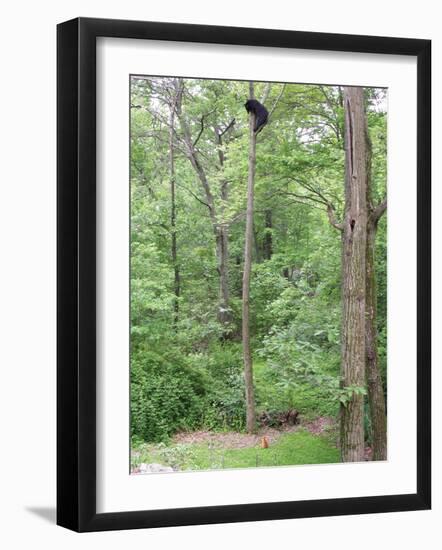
pixel 247 353
pixel 354 241
pixel 376 397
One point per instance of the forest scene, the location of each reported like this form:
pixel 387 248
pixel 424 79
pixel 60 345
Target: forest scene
pixel 258 274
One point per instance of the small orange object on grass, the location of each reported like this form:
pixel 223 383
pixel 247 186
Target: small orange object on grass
pixel 264 442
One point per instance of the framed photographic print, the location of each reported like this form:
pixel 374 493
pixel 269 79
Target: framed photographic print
pixel 243 274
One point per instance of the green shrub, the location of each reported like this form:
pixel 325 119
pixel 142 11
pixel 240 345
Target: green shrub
pixel 171 392
pixel 227 403
pixel 166 395
pixel 225 407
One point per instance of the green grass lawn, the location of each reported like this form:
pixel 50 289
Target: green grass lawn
pixel 300 447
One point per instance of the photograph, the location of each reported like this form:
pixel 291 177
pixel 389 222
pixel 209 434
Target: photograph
pixel 258 274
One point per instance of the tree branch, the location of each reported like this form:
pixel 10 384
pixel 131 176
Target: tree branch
pixel 193 195
pixel 306 197
pixel 277 101
pixel 266 93
pixel 227 128
pixel 378 211
pixel 200 132
pixel 332 218
pixel 202 126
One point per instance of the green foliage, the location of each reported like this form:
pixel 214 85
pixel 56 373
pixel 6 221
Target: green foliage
pixel 346 394
pixel 225 404
pixel 166 395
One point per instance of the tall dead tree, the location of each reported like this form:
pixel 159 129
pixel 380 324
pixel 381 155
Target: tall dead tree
pixel 248 244
pixel 376 397
pixel 354 242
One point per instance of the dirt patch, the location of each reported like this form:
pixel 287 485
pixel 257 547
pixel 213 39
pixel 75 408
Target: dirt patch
pixel 233 440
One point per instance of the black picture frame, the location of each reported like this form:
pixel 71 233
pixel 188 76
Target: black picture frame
pixel 76 274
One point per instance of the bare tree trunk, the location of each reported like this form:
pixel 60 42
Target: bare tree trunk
pixel 376 399
pixel 222 251
pixel 248 364
pixel 173 231
pixel 354 240
pixel 374 381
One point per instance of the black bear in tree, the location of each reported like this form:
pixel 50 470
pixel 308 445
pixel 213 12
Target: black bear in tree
pixel 260 112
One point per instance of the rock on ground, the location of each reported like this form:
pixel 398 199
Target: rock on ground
pixel 151 469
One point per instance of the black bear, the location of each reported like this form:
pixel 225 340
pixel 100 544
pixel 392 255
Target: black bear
pixel 260 112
